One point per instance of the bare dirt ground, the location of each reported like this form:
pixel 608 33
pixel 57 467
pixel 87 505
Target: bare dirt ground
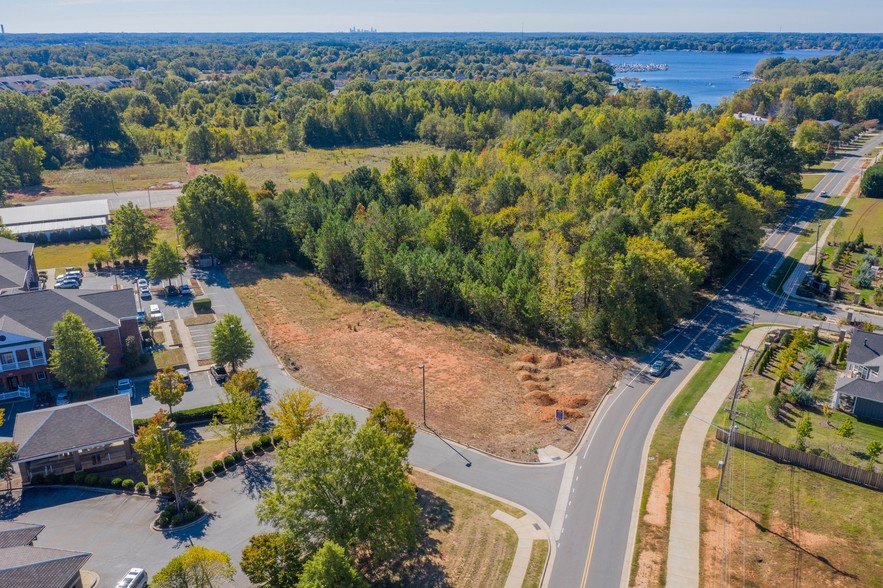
pixel 482 390
pixel 654 543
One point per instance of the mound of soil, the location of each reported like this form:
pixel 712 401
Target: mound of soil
pixel 573 401
pixel 522 366
pixel 551 361
pixel 535 386
pixel 528 357
pixel 540 398
pixel 527 376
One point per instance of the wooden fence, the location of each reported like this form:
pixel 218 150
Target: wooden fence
pixel 816 463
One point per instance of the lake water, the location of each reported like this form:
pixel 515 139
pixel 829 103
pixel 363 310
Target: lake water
pixel 703 76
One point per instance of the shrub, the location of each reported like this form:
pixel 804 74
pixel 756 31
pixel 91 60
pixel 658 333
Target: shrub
pixel 140 487
pixel 126 263
pixel 208 471
pixel 162 521
pixel 248 450
pixel 38 479
pixel 151 488
pixel 79 477
pixel 189 516
pixel 66 478
pixel 91 480
pixel 128 484
pixel 91 265
pixel 202 305
pixel 256 445
pixel 775 403
pixel 51 479
pixel 816 356
pixel 237 455
pixel 218 465
pixel 778 387
pixel 801 395
pixel 116 482
pixel 177 519
pixel 189 415
pixel 265 440
pixel 195 477
pixel 808 373
pixel 104 481
pixel 229 461
pixel 277 439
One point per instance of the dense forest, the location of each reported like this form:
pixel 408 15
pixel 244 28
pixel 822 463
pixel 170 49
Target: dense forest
pixel 564 207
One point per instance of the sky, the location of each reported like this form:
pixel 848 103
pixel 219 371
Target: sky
pixel 68 16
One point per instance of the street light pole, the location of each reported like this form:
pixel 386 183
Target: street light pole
pixel 423 369
pixel 149 203
pixel 165 428
pixel 818 230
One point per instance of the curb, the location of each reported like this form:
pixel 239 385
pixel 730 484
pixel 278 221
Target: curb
pixel 153 526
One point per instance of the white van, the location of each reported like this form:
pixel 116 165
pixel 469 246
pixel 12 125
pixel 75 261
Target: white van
pixel 136 578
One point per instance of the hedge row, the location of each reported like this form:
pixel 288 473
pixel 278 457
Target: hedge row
pixel 202 305
pixel 84 479
pixel 190 415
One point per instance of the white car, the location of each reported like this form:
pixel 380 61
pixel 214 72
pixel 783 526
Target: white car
pixel 62 398
pixel 155 312
pixel 125 386
pixel 136 578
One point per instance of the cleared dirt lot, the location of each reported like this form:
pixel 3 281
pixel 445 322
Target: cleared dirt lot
pixel 482 390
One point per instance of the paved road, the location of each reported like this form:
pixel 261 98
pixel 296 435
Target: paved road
pixel 597 535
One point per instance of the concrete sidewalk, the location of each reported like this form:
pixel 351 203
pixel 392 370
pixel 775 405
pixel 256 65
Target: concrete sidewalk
pixel 528 532
pixel 683 542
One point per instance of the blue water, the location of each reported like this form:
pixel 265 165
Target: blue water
pixel 704 77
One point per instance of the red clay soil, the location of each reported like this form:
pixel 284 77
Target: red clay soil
pixel 482 390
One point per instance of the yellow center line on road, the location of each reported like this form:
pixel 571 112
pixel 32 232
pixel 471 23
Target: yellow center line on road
pixel 616 448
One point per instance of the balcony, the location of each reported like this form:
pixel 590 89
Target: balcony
pixel 22 358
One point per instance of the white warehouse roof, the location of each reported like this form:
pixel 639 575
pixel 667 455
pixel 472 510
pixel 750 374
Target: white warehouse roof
pixel 53 217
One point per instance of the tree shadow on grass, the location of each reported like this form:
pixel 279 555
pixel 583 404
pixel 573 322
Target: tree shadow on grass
pixel 421 566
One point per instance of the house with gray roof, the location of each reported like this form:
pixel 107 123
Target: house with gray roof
pixel 26 320
pixel 18 270
pixel 860 388
pixel 93 435
pixel 22 565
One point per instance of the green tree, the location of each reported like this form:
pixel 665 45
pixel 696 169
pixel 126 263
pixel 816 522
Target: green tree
pixel 100 254
pixel 874 449
pixel 846 428
pixel 872 181
pixel 230 343
pixel 90 116
pixel 333 464
pixel 27 159
pixel 166 460
pixel 393 422
pixel 216 216
pixel 77 359
pixel 8 450
pixel 168 387
pixel 198 145
pixel 164 262
pixel 19 117
pixel 238 414
pixel 330 568
pixel 295 413
pixel 765 155
pixel 273 560
pixel 247 380
pixel 197 567
pixel 131 232
pixel 804 432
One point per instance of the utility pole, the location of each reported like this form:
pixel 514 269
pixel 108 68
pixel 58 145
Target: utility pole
pixel 165 428
pixel 423 369
pixel 149 203
pixel 818 230
pixel 733 414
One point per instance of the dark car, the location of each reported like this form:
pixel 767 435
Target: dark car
pixel 44 400
pixel 172 291
pixel 219 373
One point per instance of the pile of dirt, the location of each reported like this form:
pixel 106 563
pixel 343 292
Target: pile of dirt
pixel 573 401
pixel 531 386
pixel 551 361
pixel 528 357
pixel 530 377
pixel 540 398
pixel 523 366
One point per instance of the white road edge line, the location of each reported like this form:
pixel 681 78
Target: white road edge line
pixel 561 504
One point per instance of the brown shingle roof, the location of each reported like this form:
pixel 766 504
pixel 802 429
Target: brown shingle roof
pixel 55 430
pixel 39 567
pixel 18 534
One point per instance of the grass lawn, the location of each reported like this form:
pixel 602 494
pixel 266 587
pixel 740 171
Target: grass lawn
pixel 862 214
pixel 537 564
pixel 200 319
pixel 66 254
pixel 787 526
pixel 169 357
pixel 208 450
pixel 809 181
pixel 651 542
pixel 289 169
pixel 465 545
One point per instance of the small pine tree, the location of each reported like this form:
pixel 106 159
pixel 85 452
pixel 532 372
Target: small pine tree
pixel 846 428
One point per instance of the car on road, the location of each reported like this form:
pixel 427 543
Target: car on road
pixel 141 316
pixel 185 290
pixel 657 368
pixel 125 386
pixel 172 290
pixel 823 194
pixel 62 398
pixel 185 375
pixel 155 312
pixel 219 373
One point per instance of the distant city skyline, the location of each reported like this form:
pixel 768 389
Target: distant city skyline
pixel 71 16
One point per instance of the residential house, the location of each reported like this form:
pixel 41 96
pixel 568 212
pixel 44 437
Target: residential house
pixel 753 119
pixel 860 388
pixel 79 437
pixel 18 271
pixel 22 565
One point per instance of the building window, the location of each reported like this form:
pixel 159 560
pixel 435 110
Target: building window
pixel 37 352
pixel 41 376
pixel 100 340
pixel 7 358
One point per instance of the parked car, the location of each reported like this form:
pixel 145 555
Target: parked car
pixel 136 578
pixel 185 290
pixel 185 374
pixel 657 368
pixel 145 294
pixel 142 283
pixel 62 397
pixel 44 400
pixel 141 316
pixel 219 373
pixel 172 290
pixel 125 386
pixel 155 312
pixel 67 285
